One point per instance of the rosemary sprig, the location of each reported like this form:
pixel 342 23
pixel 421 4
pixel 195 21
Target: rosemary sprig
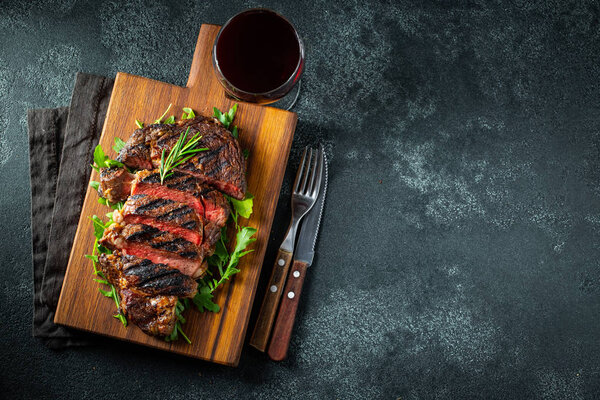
pixel 179 154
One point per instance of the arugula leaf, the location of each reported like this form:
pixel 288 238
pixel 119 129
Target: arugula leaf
pixel 179 309
pixel 119 144
pixel 227 118
pixel 170 120
pixel 188 113
pixel 101 160
pixel 99 227
pixel 95 185
pixel 243 207
pixel 203 299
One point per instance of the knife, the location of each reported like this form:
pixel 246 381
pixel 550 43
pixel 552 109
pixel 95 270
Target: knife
pixel 303 258
pixel 301 205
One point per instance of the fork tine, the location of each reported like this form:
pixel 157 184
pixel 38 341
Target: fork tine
pixel 306 171
pixel 313 174
pixel 300 170
pixel 316 187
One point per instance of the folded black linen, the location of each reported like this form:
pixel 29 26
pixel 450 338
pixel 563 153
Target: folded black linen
pixel 61 144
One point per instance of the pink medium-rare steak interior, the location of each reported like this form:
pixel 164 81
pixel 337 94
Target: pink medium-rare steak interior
pixel 164 214
pixel 160 247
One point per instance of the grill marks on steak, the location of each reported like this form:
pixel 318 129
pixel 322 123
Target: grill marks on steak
pixel 164 214
pixel 148 291
pixel 208 202
pixel 158 246
pixel 222 165
pixel 177 187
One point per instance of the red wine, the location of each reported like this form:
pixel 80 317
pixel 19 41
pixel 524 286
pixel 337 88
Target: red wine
pixel 258 51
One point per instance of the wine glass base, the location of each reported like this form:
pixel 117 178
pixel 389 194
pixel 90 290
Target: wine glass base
pixel 289 100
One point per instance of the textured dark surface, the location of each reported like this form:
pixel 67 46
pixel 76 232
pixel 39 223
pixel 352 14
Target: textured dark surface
pixel 459 249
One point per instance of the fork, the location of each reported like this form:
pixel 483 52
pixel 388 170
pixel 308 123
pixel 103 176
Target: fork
pixel 304 196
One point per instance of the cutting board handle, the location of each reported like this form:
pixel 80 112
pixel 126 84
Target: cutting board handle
pixel 202 61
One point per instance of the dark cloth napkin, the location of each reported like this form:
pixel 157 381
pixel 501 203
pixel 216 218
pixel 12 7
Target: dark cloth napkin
pixel 61 145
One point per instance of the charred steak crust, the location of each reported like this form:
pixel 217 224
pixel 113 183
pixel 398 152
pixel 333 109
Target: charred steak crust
pixel 164 214
pixel 154 315
pixel 126 271
pixel 115 184
pixel 161 240
pixel 148 291
pixel 223 165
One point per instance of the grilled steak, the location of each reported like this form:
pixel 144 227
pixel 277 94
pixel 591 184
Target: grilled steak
pixel 222 165
pixel 148 292
pixel 160 247
pixel 164 214
pixel 154 315
pixel 115 184
pixel 208 202
pixel 126 271
pixel 177 187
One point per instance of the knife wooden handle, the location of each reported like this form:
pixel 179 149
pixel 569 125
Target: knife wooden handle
pixel 268 309
pixel 282 332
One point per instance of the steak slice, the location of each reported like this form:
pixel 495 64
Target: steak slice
pixel 222 165
pixel 115 184
pixel 163 214
pixel 205 200
pixel 178 187
pixel 154 315
pixel 126 271
pixel 136 152
pixel 216 212
pixel 159 247
pixel 148 292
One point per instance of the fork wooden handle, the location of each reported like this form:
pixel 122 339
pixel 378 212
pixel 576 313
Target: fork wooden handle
pixel 268 309
pixel 282 332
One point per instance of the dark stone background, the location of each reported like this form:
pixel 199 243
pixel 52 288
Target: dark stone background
pixel 459 251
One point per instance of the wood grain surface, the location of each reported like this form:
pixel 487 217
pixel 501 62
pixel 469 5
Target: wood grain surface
pixel 266 132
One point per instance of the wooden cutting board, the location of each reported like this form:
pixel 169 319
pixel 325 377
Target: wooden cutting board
pixel 266 132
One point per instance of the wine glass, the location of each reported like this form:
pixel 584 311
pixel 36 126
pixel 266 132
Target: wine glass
pixel 258 56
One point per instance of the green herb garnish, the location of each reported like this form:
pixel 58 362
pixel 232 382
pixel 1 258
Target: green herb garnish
pixel 226 263
pixel 179 309
pixel 101 160
pixel 179 154
pixel 119 144
pixel 227 118
pixel 188 113
pixel 99 228
pixel 139 124
pixel 159 121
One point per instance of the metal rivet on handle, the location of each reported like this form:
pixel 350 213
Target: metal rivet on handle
pixel 273 288
pixel 281 262
pixel 296 274
pixel 291 295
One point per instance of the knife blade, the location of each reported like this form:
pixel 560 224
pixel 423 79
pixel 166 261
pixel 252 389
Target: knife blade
pixel 305 248
pixel 303 258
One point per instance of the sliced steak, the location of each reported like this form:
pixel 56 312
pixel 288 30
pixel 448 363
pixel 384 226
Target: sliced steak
pixel 154 315
pixel 216 212
pixel 163 214
pixel 222 165
pixel 136 152
pixel 206 201
pixel 148 291
pixel 115 184
pixel 178 187
pixel 160 247
pixel 126 271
